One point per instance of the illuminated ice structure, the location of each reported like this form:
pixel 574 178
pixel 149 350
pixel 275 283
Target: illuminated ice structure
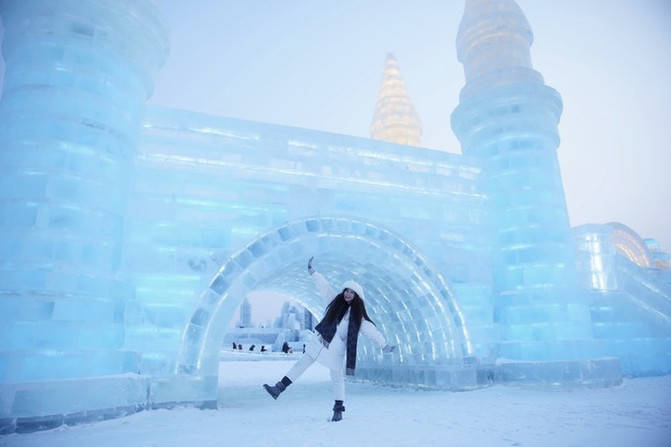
pixel 132 234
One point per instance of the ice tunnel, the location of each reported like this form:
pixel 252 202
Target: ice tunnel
pixel 410 302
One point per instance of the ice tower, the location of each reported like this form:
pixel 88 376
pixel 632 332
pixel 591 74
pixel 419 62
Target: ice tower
pixel 508 119
pixel 395 119
pixel 77 77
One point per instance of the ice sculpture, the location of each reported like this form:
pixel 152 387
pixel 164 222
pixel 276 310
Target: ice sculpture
pixel 133 233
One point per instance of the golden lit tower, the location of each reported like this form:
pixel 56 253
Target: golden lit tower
pixel 395 119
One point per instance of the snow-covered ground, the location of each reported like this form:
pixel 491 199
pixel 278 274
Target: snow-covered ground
pixel 637 413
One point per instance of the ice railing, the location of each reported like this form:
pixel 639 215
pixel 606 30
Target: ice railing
pixel 645 291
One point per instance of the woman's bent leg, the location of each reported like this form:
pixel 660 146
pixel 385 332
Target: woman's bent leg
pixel 299 367
pixel 294 373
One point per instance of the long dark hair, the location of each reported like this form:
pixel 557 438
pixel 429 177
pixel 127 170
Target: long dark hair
pixel 338 306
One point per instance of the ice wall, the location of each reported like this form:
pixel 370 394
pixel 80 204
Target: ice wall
pixel 208 186
pixel 77 76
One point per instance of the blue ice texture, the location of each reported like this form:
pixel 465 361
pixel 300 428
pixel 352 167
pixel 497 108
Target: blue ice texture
pixel 133 233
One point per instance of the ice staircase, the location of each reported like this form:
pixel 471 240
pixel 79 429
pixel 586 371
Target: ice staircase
pixel 634 320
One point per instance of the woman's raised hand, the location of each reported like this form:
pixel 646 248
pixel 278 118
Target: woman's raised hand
pixel 311 269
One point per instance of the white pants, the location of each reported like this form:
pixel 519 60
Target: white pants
pixel 337 376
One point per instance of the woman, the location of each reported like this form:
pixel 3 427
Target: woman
pixel 334 345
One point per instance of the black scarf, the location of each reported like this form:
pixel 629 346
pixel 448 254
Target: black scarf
pixel 328 331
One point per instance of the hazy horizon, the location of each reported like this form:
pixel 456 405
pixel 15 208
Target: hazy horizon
pixel 266 307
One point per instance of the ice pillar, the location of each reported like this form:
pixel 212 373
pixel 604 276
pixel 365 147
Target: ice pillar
pixel 78 73
pixel 508 118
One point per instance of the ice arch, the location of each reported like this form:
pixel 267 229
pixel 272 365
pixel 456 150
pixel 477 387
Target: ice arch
pixel 411 303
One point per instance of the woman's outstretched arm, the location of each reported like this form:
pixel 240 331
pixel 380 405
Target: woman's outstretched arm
pixel 371 332
pixel 325 290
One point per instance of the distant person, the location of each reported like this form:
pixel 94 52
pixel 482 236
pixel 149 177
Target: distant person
pixel 239 347
pixel 263 348
pixel 285 347
pixel 234 346
pixel 334 345
pixel 303 348
pixel 251 348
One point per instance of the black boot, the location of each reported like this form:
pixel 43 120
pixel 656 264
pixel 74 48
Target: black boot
pixel 338 408
pixel 280 386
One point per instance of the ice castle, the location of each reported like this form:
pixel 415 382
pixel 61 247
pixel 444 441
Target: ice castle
pixel 133 233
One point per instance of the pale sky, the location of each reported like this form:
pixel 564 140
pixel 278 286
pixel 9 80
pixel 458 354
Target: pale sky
pixel 318 65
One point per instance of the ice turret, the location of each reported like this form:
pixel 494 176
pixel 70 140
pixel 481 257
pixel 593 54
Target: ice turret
pixel 508 118
pixel 395 119
pixel 493 45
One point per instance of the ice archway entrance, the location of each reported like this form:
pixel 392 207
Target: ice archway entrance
pixel 411 303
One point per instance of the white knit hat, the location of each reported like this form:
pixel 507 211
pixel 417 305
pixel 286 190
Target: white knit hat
pixel 353 285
